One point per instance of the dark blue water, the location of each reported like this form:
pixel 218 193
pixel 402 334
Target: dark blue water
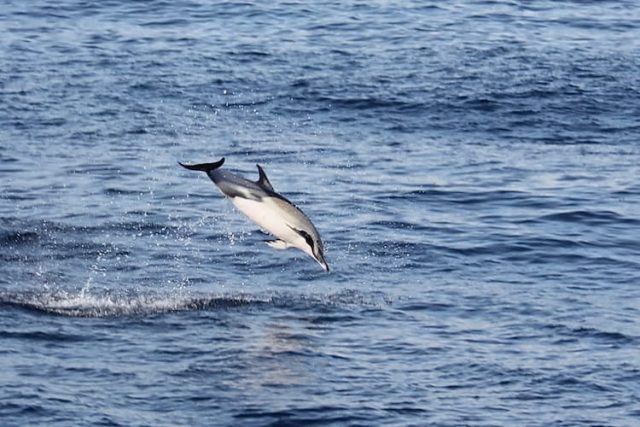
pixel 473 168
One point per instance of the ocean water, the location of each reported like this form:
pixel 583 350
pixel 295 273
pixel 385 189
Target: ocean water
pixel 473 168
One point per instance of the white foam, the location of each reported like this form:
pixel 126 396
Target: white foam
pixel 89 304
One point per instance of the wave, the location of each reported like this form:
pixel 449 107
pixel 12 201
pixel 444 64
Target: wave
pixel 614 338
pixel 87 304
pixel 84 303
pixel 589 217
pixel 16 237
pixel 10 226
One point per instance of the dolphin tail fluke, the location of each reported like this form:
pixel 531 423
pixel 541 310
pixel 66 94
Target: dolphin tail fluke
pixel 204 167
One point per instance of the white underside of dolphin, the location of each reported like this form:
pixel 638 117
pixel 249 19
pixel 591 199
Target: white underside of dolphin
pixel 269 210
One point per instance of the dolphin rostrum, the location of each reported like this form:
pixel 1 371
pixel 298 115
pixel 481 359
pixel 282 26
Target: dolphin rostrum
pixel 271 211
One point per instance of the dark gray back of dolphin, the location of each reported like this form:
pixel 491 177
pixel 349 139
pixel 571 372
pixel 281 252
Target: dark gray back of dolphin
pixel 231 184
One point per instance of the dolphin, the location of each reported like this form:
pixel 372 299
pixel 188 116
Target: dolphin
pixel 270 210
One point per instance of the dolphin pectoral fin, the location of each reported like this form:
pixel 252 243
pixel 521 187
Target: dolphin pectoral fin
pixel 263 181
pixel 277 244
pixel 204 167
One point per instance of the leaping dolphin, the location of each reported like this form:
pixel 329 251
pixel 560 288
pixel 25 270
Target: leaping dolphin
pixel 270 210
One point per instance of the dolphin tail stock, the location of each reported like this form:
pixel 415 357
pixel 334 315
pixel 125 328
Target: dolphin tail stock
pixel 204 167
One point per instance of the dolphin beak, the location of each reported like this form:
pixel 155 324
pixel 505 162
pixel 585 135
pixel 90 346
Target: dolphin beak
pixel 322 262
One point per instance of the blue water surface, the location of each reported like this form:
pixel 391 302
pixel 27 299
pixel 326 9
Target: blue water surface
pixel 473 168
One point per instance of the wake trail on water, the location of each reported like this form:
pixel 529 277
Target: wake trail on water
pixel 84 303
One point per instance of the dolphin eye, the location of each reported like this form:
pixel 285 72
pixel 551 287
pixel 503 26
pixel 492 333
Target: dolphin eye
pixel 307 238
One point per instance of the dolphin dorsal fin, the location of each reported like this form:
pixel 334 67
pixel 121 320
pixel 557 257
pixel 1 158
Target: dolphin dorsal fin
pixel 263 181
